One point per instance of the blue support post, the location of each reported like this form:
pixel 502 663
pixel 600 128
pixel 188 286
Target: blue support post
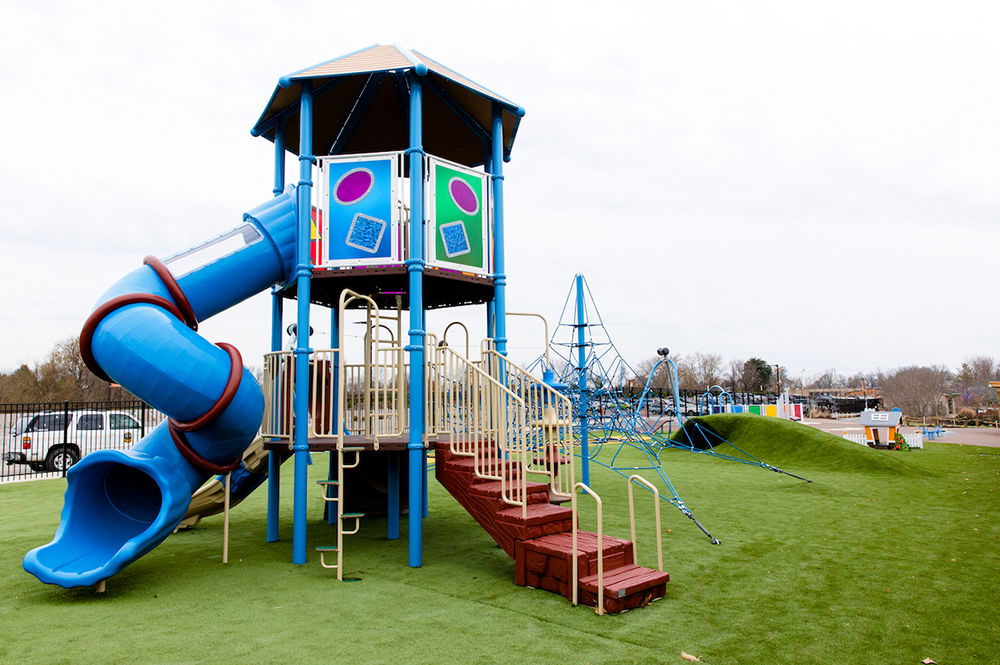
pixel 392 485
pixel 415 268
pixel 491 317
pixel 499 276
pixel 273 465
pixel 333 469
pixel 303 275
pixel 581 366
pixel 279 159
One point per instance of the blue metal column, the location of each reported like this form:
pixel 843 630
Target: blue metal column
pixel 303 275
pixel 333 469
pixel 392 485
pixel 415 266
pixel 279 159
pixel 273 466
pixel 581 382
pixel 499 276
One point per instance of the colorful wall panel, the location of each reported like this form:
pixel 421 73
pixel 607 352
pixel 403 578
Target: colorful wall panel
pixel 359 196
pixel 458 233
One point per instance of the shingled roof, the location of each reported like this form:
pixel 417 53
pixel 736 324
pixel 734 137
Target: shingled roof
pixel 361 105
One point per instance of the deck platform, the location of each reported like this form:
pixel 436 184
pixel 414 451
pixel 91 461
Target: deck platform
pixel 365 443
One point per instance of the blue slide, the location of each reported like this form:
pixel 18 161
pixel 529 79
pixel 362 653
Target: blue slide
pixel 119 505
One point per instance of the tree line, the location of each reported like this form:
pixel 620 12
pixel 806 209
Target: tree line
pixel 62 376
pixel 917 390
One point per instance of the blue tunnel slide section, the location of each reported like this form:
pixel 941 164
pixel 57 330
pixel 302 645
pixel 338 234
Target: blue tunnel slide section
pixel 119 505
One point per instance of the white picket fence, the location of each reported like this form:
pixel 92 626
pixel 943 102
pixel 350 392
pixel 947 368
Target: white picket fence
pixel 915 440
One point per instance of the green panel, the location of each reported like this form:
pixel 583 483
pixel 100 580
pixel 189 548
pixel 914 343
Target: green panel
pixel 755 408
pixel 458 229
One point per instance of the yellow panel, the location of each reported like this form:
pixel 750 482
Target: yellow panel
pixel 771 410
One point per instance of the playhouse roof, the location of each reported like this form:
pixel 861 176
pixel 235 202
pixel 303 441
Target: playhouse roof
pixel 360 105
pixel 881 418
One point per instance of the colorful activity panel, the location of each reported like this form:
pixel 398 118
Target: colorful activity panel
pixel 458 235
pixel 360 199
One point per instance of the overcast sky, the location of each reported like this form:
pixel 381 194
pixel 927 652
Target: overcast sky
pixel 815 184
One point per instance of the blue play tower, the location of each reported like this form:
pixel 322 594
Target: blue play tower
pixel 399 199
pixel 409 213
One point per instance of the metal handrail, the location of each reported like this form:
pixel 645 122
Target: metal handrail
pixel 545 325
pixel 374 394
pixel 600 547
pixel 483 419
pixel 549 420
pixel 655 493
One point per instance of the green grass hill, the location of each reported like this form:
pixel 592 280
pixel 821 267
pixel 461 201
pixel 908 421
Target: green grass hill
pixel 791 445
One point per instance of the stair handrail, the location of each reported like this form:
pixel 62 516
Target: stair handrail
pixel 489 408
pixel 638 479
pixel 600 546
pixel 549 414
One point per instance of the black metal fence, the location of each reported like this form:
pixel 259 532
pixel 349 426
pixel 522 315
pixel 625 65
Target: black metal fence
pixel 42 440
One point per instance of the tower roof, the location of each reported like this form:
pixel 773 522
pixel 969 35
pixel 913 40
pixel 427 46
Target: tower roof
pixel 361 104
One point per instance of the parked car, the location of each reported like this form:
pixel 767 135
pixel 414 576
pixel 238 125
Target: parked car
pixel 56 440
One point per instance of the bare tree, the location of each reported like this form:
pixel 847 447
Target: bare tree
pixel 62 376
pixel 915 390
pixel 828 379
pixel 734 374
pixel 661 380
pixel 707 369
pixel 972 381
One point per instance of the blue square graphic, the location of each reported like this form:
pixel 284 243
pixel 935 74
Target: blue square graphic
pixel 365 233
pixel 455 238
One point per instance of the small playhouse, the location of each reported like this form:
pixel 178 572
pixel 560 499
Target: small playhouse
pixel 881 427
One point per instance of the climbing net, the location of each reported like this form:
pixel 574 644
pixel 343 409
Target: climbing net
pixel 610 398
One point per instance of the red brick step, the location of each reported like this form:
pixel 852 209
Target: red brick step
pixel 540 542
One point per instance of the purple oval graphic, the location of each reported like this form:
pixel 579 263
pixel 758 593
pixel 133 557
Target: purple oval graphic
pixel 353 186
pixel 463 196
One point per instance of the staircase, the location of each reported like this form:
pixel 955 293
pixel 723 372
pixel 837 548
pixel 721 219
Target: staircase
pixel 498 427
pixel 540 541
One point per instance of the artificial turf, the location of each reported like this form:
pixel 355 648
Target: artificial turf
pixel 887 557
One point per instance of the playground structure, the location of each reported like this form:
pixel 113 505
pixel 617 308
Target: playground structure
pixel 408 217
pixel 607 412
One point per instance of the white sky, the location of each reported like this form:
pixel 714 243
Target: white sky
pixel 815 184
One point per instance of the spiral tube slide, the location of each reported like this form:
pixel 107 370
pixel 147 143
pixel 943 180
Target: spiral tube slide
pixel 119 504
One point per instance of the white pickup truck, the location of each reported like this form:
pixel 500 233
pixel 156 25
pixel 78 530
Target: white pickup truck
pixel 56 440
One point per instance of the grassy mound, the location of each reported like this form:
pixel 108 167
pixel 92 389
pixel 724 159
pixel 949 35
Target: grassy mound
pixel 790 445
